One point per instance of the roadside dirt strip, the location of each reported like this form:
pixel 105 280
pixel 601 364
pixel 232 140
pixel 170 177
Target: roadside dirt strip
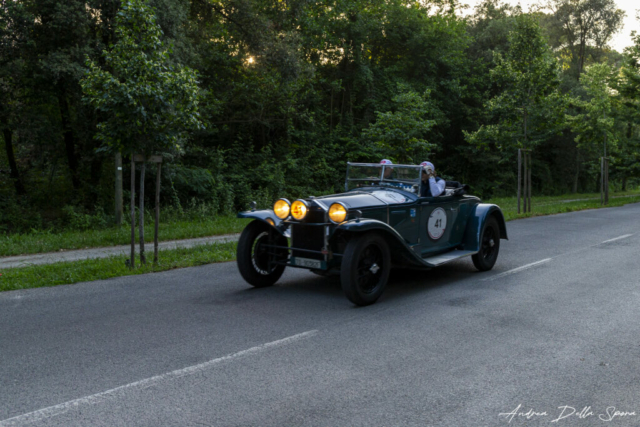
pixel 80 254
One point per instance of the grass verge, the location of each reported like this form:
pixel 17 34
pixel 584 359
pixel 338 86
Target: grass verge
pixel 65 273
pixel 550 205
pixel 47 241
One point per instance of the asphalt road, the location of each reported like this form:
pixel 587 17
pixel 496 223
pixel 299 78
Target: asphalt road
pixel 448 347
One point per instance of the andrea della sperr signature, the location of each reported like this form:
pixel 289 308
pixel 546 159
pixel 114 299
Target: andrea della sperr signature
pixel 610 413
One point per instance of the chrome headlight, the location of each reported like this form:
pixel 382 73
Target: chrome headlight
pixel 299 209
pixel 282 208
pixel 337 213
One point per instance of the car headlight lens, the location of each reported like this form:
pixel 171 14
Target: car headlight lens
pixel 337 213
pixel 299 209
pixel 282 208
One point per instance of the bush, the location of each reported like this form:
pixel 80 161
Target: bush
pixel 76 219
pixel 190 182
pixel 16 215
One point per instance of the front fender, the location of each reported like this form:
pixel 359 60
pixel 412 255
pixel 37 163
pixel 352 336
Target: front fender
pixel 476 221
pixel 265 215
pixel 401 253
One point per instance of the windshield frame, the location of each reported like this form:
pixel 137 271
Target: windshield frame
pixel 381 181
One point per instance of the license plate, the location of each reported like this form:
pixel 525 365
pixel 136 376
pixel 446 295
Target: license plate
pixel 306 262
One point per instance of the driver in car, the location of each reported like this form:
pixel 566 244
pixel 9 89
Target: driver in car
pixel 388 170
pixel 432 185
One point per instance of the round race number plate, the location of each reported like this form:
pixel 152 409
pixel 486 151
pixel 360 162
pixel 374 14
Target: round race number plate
pixel 437 223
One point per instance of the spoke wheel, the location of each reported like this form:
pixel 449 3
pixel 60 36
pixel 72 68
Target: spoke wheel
pixel 260 254
pixel 365 268
pixel 370 264
pixel 486 258
pixel 257 262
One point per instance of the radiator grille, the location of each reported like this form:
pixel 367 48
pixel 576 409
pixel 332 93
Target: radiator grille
pixel 305 236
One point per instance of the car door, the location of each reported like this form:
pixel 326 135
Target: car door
pixel 405 219
pixel 438 223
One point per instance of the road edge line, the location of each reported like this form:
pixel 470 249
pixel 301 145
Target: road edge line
pixel 517 270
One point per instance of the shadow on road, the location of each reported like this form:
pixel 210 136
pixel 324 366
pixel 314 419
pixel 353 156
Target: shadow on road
pixel 303 287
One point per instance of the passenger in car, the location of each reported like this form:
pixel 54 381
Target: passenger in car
pixel 432 185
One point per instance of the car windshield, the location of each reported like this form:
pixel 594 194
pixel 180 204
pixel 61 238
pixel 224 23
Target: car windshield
pixel 405 177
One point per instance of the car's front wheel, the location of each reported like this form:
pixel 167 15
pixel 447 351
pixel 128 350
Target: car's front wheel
pixel 485 259
pixel 365 268
pixel 259 264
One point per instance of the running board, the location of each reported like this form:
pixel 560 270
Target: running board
pixel 437 260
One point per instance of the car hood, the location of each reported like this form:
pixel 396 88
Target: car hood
pixel 362 199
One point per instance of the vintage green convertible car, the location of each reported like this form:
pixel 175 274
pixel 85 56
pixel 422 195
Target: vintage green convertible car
pixel 380 221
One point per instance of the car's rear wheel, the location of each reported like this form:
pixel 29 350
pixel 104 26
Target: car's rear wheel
pixel 257 262
pixel 365 268
pixel 486 258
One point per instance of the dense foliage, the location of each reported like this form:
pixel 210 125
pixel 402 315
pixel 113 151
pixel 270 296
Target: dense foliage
pixel 271 98
pixel 147 105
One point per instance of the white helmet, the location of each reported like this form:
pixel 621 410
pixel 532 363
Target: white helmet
pixel 428 167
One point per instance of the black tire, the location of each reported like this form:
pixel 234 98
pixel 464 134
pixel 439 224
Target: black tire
pixel 253 258
pixel 365 268
pixel 486 258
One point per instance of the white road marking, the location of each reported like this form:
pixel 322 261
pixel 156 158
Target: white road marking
pixel 533 264
pixel 624 236
pixel 53 411
pixel 517 270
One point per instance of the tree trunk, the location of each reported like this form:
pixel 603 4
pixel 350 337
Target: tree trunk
pixel 524 206
pixel 331 115
pixel 118 189
pixel 606 181
pixel 519 176
pixel 530 185
pixel 15 175
pixel 599 182
pixel 524 120
pixel 91 194
pixel 624 184
pixel 581 54
pixel 133 212
pixel 577 175
pixel 527 175
pixel 155 234
pixel 69 139
pixel 143 259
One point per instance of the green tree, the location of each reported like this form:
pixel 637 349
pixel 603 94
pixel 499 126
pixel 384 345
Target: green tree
pixel 13 36
pixel 580 26
pixel 595 125
pixel 149 104
pixel 401 134
pixel 489 26
pixel 627 84
pixel 528 110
